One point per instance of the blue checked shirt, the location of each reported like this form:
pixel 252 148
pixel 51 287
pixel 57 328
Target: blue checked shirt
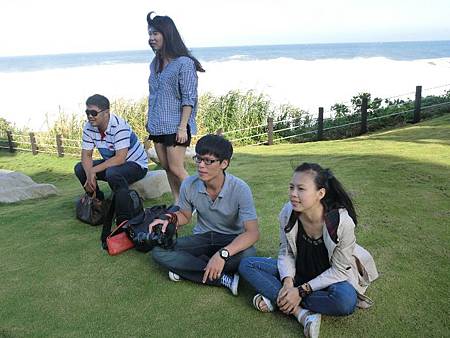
pixel 170 90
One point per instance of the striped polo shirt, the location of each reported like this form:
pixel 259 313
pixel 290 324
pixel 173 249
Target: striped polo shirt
pixel 118 135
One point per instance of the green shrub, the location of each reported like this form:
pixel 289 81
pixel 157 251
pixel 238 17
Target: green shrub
pixel 242 118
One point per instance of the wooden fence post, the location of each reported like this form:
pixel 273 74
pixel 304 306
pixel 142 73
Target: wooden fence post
pixel 34 148
pixel 270 131
pixel 10 141
pixel 417 104
pixel 320 125
pixel 364 105
pixel 59 145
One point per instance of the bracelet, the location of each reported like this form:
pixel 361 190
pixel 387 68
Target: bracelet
pixel 171 217
pixel 304 290
pixel 182 129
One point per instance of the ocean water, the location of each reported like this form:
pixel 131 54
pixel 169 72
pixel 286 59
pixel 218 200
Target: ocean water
pixel 34 89
pixel 400 51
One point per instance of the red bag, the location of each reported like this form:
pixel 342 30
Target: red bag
pixel 118 243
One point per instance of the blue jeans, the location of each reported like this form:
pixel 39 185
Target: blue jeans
pixel 118 177
pixel 191 254
pixel 338 299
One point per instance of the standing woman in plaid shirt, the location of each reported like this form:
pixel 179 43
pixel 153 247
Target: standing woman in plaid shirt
pixel 172 103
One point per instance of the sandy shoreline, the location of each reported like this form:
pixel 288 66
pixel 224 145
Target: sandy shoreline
pixel 28 96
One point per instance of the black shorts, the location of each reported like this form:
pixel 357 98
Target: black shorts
pixel 170 140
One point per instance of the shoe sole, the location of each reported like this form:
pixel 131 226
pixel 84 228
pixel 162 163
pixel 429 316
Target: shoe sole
pixel 234 290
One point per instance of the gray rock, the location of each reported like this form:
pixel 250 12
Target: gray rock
pixel 153 185
pixel 15 187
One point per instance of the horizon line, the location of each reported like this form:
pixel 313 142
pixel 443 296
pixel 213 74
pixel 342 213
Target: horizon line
pixel 226 46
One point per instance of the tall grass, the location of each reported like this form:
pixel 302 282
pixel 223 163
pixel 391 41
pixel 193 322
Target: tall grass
pixel 242 118
pixel 231 112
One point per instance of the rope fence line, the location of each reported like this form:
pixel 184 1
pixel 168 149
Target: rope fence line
pixel 72 147
pixel 247 137
pixel 243 129
pixel 342 125
pixel 286 137
pixel 287 120
pixel 63 146
pixel 70 140
pixel 436 105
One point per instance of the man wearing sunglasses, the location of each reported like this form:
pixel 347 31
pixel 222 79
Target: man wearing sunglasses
pixel 124 159
pixel 227 226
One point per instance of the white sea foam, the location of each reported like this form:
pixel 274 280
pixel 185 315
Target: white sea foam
pixel 27 97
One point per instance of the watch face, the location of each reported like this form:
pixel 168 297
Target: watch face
pixel 224 253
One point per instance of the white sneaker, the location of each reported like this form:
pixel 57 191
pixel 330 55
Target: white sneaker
pixel 312 325
pixel 230 282
pixel 174 277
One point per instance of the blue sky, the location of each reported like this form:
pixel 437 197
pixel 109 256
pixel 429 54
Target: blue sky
pixel 55 26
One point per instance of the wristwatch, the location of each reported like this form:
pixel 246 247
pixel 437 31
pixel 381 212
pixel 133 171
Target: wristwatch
pixel 224 253
pixel 304 290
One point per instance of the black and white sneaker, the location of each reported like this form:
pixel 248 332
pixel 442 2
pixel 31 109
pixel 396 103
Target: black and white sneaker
pixel 230 282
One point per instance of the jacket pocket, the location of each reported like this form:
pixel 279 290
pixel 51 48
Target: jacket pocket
pixel 363 276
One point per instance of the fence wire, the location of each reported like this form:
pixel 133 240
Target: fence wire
pixel 22 140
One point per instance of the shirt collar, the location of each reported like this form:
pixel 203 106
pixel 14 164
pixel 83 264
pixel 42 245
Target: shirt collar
pixel 201 187
pixel 112 123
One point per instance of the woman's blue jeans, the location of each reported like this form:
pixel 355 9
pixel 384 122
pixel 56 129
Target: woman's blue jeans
pixel 338 299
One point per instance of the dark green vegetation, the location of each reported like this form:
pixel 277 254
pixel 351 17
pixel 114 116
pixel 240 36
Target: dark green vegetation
pixel 243 118
pixel 55 280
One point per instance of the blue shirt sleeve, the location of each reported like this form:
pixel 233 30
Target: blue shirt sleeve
pixel 247 211
pixel 188 83
pixel 183 201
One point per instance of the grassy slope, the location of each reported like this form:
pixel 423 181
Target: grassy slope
pixel 55 280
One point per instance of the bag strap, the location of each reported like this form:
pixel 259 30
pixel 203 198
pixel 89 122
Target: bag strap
pixel 107 223
pixel 94 194
pixel 117 228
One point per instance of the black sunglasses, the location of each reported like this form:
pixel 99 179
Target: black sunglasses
pixel 94 113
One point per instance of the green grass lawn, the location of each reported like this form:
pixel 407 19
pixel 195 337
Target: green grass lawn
pixel 55 280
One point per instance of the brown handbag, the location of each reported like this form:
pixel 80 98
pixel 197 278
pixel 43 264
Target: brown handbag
pixel 90 209
pixel 118 242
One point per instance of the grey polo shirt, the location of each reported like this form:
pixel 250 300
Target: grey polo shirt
pixel 227 214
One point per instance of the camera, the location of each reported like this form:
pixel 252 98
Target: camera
pixel 145 241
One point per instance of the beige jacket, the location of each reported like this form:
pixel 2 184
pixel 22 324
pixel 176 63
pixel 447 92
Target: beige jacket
pixel 348 261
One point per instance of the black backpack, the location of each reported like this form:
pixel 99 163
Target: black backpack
pixel 125 205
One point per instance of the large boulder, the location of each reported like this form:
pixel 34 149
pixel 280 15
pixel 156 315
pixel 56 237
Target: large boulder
pixel 15 187
pixel 153 185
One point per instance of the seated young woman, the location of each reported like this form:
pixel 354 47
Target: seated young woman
pixel 320 268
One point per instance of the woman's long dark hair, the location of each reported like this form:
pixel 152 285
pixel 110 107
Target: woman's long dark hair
pixel 173 45
pixel 335 194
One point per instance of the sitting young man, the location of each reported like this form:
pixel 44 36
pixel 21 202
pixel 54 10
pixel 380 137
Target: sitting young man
pixel 227 225
pixel 124 158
